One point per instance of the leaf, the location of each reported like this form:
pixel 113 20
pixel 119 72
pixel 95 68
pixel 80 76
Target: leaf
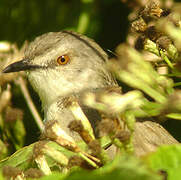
pixel 167 158
pixel 3 150
pixel 19 133
pixel 23 157
pixel 55 175
pixel 20 158
pixel 1 176
pixel 176 116
pixel 122 167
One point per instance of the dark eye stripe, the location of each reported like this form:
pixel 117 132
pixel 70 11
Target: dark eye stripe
pixel 87 43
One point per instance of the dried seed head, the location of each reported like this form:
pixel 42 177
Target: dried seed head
pixel 33 173
pixel 165 12
pixel 78 161
pixel 139 25
pixel 106 126
pixel 151 11
pixel 140 42
pixel 75 161
pixel 54 132
pixel 164 42
pixel 123 135
pixel 9 171
pixel 76 126
pixel 152 33
pixel 38 148
pixel 95 147
pixel 49 132
pixel 12 114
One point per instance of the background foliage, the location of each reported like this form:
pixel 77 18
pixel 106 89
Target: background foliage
pixel 109 23
pixel 105 21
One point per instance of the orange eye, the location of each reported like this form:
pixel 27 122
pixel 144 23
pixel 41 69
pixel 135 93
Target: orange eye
pixel 62 60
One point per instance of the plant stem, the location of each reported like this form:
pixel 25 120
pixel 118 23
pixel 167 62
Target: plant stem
pixel 30 103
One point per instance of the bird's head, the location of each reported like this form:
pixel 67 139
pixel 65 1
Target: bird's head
pixel 61 63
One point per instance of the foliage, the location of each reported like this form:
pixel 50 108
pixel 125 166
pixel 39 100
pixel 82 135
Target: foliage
pixel 147 67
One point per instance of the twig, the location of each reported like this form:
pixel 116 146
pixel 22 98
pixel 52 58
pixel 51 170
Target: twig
pixel 92 163
pixel 91 157
pixel 30 103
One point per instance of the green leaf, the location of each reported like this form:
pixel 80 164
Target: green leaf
pixel 19 133
pixel 125 167
pixel 55 175
pixel 167 158
pixel 174 174
pixel 3 150
pixel 1 176
pixel 21 158
pixel 174 116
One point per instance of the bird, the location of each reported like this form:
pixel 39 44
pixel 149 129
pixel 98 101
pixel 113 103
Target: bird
pixel 66 63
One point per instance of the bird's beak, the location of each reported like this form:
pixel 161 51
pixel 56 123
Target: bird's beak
pixel 22 65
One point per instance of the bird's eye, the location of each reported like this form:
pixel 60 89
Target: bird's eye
pixel 62 60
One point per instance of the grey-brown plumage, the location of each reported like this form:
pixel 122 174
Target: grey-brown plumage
pixel 85 71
